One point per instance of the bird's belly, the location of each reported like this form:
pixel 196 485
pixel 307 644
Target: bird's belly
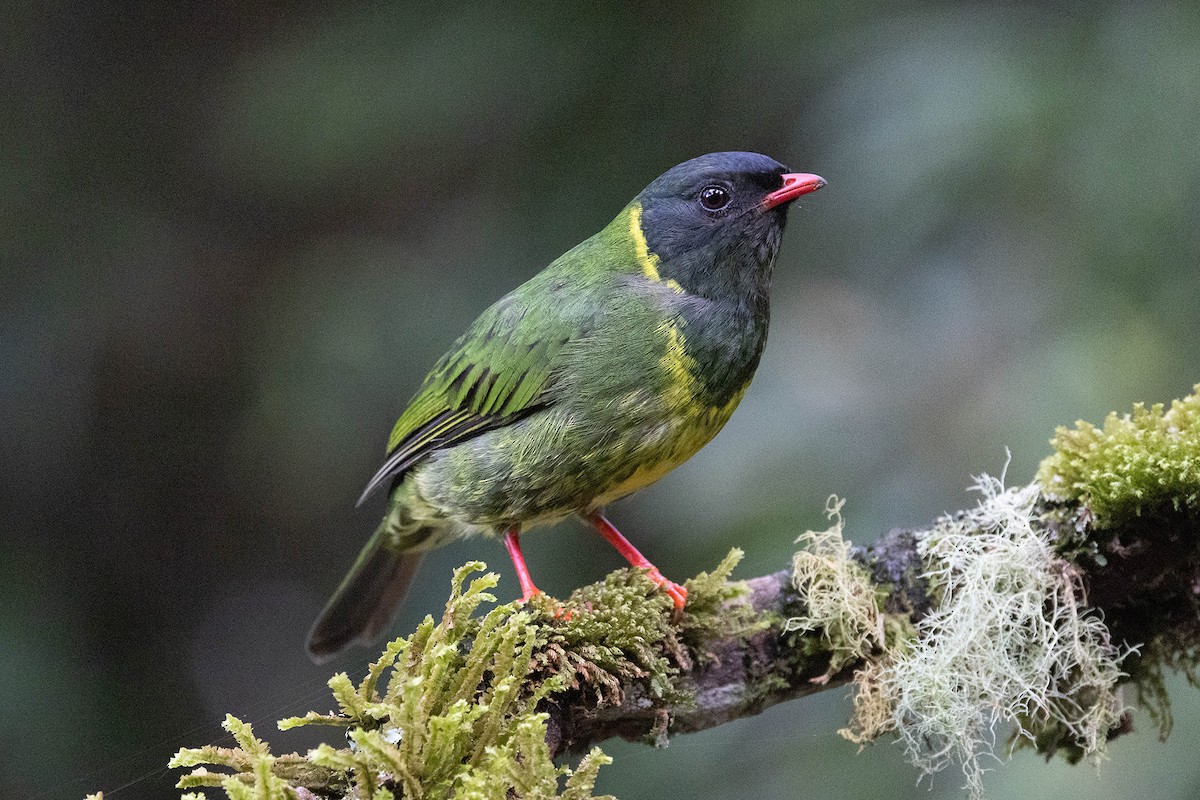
pixel 667 447
pixel 563 461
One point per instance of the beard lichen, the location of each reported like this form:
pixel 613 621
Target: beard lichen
pixel 1010 643
pixel 836 595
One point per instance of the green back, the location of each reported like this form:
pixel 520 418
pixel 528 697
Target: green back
pixel 505 366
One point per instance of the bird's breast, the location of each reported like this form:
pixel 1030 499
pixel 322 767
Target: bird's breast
pixel 663 447
pixel 681 411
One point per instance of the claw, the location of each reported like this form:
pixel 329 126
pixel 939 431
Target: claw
pixel 526 596
pixel 678 595
pixel 675 591
pixel 556 608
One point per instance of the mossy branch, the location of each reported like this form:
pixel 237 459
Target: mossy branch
pixel 1034 609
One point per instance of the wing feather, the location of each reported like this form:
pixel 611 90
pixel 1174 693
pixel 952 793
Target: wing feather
pixel 500 371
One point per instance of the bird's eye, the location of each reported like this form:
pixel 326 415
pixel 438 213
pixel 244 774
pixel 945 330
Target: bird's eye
pixel 714 198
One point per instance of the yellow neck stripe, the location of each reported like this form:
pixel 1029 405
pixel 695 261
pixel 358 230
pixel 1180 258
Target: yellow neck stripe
pixel 647 260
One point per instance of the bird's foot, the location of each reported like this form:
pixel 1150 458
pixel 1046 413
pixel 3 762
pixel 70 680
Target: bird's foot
pixel 675 591
pixel 556 608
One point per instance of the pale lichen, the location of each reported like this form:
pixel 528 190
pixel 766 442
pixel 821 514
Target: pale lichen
pixel 1011 642
pixel 836 594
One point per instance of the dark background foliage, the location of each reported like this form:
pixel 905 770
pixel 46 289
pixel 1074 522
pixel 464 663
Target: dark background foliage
pixel 234 236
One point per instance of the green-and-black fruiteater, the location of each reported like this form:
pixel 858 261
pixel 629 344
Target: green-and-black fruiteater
pixel 594 379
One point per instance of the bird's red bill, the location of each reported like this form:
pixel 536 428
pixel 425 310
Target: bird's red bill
pixel 794 185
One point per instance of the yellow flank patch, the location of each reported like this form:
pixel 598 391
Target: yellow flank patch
pixel 679 366
pixel 647 260
pixel 640 479
pixel 701 421
pixel 694 422
pixel 693 429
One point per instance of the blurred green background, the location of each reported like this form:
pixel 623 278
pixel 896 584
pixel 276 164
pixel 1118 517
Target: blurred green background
pixel 234 236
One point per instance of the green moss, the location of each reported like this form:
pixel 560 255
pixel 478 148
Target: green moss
pixel 621 630
pixel 720 609
pixel 256 774
pixel 613 631
pixel 712 610
pixel 1138 463
pixel 453 709
pixel 444 712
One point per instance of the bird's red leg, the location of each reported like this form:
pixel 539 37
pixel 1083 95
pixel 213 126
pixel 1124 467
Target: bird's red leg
pixel 677 593
pixel 513 543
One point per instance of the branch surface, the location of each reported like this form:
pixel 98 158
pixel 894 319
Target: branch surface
pixel 1144 579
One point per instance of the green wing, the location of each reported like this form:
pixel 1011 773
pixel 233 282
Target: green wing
pixel 498 372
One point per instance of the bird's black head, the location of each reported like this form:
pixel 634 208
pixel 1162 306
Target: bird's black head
pixel 715 222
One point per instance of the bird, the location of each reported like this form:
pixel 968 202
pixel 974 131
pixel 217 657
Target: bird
pixel 592 380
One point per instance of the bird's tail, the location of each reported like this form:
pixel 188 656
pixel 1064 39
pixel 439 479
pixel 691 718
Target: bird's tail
pixel 368 598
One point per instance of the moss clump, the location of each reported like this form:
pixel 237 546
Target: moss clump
pixel 1144 464
pixel 609 632
pixel 454 709
pixel 620 631
pixel 444 712
pixel 711 611
pixel 1136 464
